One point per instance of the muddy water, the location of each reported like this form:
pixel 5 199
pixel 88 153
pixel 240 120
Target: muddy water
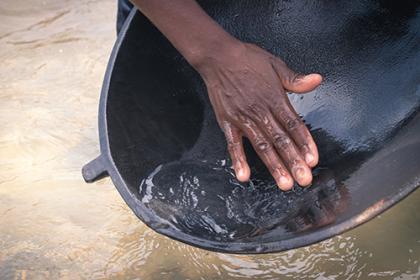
pixel 54 226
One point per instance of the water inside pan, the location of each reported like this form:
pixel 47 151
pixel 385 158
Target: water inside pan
pixel 222 209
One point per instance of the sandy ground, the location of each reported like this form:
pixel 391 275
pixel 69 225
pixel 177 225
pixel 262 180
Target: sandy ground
pixel 54 226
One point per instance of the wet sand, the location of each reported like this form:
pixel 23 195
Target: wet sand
pixel 54 226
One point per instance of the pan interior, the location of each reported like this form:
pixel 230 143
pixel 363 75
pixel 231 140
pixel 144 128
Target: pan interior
pixel 168 148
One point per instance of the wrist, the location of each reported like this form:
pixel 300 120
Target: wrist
pixel 214 52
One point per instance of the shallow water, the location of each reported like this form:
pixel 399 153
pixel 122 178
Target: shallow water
pixel 54 226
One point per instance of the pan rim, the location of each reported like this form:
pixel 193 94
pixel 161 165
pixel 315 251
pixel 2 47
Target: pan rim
pixel 159 225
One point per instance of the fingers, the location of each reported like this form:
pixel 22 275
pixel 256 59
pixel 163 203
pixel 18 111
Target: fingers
pixel 288 117
pixel 295 82
pixel 298 131
pixel 236 151
pixel 286 148
pixel 268 155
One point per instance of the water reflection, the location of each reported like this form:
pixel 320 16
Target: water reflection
pixel 54 226
pixel 343 257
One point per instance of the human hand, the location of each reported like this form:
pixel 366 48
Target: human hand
pixel 247 88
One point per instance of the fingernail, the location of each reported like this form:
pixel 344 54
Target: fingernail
pixel 241 173
pixel 300 173
pixel 283 181
pixel 309 158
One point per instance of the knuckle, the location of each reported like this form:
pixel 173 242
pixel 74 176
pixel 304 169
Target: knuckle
pixel 224 124
pixel 279 62
pixel 242 111
pixel 232 146
pixel 282 141
pixel 281 169
pixel 259 114
pixel 255 112
pixel 293 77
pixel 233 115
pixel 293 124
pixel 279 105
pixel 264 120
pixel 254 108
pixel 262 146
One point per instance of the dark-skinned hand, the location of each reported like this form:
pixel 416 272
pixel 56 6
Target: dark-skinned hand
pixel 247 88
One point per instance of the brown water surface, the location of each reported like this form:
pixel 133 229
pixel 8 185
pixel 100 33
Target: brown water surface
pixel 54 226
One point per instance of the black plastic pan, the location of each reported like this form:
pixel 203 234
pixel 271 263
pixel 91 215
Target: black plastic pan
pixel 167 157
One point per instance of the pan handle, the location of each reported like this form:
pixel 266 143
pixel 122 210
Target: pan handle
pixel 95 170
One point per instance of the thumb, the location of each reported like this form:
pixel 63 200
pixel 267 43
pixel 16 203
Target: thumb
pixel 295 82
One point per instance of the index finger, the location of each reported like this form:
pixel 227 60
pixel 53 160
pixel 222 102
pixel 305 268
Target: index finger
pixel 293 124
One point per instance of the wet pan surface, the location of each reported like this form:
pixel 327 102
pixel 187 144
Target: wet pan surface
pixel 167 157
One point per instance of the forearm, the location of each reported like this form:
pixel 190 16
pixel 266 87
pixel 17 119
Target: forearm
pixel 187 26
pixel 247 89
